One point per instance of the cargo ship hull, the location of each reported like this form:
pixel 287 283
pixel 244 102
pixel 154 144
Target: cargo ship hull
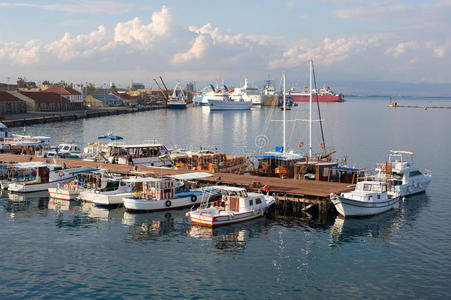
pixel 297 97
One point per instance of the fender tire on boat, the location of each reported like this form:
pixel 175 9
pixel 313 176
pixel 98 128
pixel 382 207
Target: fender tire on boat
pixel 193 198
pixel 168 203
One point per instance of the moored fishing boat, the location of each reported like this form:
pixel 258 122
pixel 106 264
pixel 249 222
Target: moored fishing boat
pixel 110 192
pixel 89 179
pixel 152 194
pixel 147 154
pixel 210 161
pixel 178 99
pixel 43 176
pixel 369 198
pixel 236 205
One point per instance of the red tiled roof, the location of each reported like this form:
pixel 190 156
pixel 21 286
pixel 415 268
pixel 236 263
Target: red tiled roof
pixel 62 90
pixel 126 96
pixel 7 97
pixel 45 97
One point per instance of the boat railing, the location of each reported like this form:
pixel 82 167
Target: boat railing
pixel 207 193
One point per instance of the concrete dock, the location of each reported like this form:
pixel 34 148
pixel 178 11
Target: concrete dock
pixel 50 117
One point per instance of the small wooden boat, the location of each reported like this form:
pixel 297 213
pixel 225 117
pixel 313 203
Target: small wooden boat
pixel 236 205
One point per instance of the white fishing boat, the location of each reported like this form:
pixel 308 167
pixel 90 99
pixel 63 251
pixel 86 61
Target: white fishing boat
pixel 96 151
pixel 152 194
pixel 66 150
pixel 148 154
pixel 247 93
pixel 369 198
pixel 178 98
pixel 89 178
pixel 27 144
pixel 68 191
pixel 41 177
pixel 110 192
pixel 402 174
pixel 236 205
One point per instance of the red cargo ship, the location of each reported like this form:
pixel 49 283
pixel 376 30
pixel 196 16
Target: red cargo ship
pixel 324 95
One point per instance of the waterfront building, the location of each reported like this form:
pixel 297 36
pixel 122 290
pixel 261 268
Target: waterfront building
pixel 103 100
pixel 10 104
pixel 44 101
pixel 74 96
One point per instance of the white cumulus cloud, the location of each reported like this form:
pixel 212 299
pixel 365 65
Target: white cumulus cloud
pixel 69 47
pixel 401 48
pixel 21 54
pixel 197 50
pixel 136 34
pixel 330 51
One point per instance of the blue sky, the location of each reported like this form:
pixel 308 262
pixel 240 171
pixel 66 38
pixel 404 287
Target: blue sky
pixel 115 40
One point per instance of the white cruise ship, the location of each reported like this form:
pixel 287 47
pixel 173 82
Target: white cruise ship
pixel 247 94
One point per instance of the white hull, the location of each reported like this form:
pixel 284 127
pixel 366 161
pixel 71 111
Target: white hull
pixel 219 105
pixel 255 99
pixel 354 208
pixel 34 187
pixel 103 198
pixel 419 186
pixel 146 161
pixel 213 217
pixel 132 204
pixel 63 193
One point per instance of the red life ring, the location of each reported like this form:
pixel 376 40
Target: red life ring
pixel 382 166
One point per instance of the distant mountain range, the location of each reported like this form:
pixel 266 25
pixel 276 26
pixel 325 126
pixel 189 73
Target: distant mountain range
pixel 390 88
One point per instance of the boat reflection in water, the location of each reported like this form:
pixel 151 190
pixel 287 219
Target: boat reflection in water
pixel 63 205
pixel 231 237
pixel 25 206
pixel 380 226
pixel 147 226
pixel 93 211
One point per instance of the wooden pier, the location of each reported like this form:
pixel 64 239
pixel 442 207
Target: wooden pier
pixel 297 196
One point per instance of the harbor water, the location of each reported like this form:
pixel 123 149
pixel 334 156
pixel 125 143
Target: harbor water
pixel 58 249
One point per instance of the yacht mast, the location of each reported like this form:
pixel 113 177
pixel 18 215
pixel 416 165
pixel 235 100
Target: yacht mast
pixel 284 110
pixel 310 118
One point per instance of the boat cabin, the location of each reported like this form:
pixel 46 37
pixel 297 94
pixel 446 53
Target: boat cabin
pixel 211 161
pixel 36 172
pixel 26 144
pixel 238 200
pixel 278 164
pixel 371 191
pixel 121 154
pixel 153 188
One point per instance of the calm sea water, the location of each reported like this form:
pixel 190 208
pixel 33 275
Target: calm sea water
pixel 59 249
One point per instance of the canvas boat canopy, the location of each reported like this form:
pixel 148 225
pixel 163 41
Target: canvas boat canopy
pixel 191 176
